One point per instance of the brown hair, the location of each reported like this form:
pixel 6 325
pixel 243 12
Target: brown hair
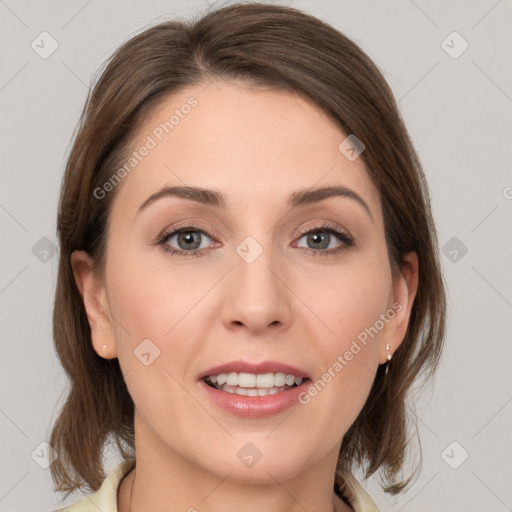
pixel 264 45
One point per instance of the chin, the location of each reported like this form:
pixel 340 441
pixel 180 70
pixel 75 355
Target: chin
pixel 260 462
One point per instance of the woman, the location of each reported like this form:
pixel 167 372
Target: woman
pixel 259 366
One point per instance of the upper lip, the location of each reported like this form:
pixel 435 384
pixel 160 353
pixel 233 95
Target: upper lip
pixel 256 368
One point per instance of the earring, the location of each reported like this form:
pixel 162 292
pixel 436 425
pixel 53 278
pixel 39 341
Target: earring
pixel 104 348
pixel 388 357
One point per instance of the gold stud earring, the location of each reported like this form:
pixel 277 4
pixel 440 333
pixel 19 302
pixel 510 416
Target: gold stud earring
pixel 388 357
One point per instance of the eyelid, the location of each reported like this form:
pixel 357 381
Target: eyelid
pixel 326 225
pixel 189 225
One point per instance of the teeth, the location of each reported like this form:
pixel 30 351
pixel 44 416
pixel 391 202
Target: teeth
pixel 280 379
pixel 290 380
pixel 247 380
pixel 252 391
pixel 251 380
pixel 265 380
pixel 232 379
pixel 250 384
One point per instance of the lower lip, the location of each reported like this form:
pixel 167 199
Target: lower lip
pixel 254 406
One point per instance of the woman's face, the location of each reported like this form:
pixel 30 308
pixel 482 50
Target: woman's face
pixel 248 285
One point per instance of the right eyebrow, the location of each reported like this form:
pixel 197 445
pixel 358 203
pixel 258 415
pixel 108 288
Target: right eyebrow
pixel 200 195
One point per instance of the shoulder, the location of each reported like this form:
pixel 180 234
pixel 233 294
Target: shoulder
pixel 105 498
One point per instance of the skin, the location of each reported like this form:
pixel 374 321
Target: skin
pixel 257 146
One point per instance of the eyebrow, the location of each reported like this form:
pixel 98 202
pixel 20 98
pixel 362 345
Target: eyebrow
pixel 216 199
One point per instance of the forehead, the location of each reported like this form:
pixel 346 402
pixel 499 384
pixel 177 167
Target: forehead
pixel 255 145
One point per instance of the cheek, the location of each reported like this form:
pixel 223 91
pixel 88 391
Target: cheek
pixel 146 298
pixel 348 299
pixel 350 309
pixel 149 329
pixel 149 306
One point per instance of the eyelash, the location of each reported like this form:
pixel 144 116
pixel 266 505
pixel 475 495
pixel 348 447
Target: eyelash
pixel 344 237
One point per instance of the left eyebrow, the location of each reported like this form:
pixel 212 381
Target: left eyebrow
pixel 314 195
pixel 216 199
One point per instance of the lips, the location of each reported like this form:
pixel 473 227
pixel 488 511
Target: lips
pixel 229 386
pixel 275 401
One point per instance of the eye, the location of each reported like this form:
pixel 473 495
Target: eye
pixel 185 241
pixel 192 240
pixel 320 240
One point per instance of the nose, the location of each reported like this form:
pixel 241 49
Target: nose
pixel 256 296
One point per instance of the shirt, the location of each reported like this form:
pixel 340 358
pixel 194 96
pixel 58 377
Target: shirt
pixel 105 498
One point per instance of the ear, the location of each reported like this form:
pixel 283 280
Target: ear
pixel 92 290
pixel 401 301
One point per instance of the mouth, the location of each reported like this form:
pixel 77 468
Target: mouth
pixel 252 384
pixel 254 390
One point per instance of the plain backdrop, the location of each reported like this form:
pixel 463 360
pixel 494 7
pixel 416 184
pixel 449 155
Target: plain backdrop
pixel 457 105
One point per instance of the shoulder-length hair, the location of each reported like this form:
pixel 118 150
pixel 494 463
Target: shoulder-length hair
pixel 287 50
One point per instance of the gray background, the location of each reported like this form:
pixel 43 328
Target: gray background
pixel 458 112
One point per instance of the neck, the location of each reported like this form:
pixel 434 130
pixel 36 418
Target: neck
pixel 126 502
